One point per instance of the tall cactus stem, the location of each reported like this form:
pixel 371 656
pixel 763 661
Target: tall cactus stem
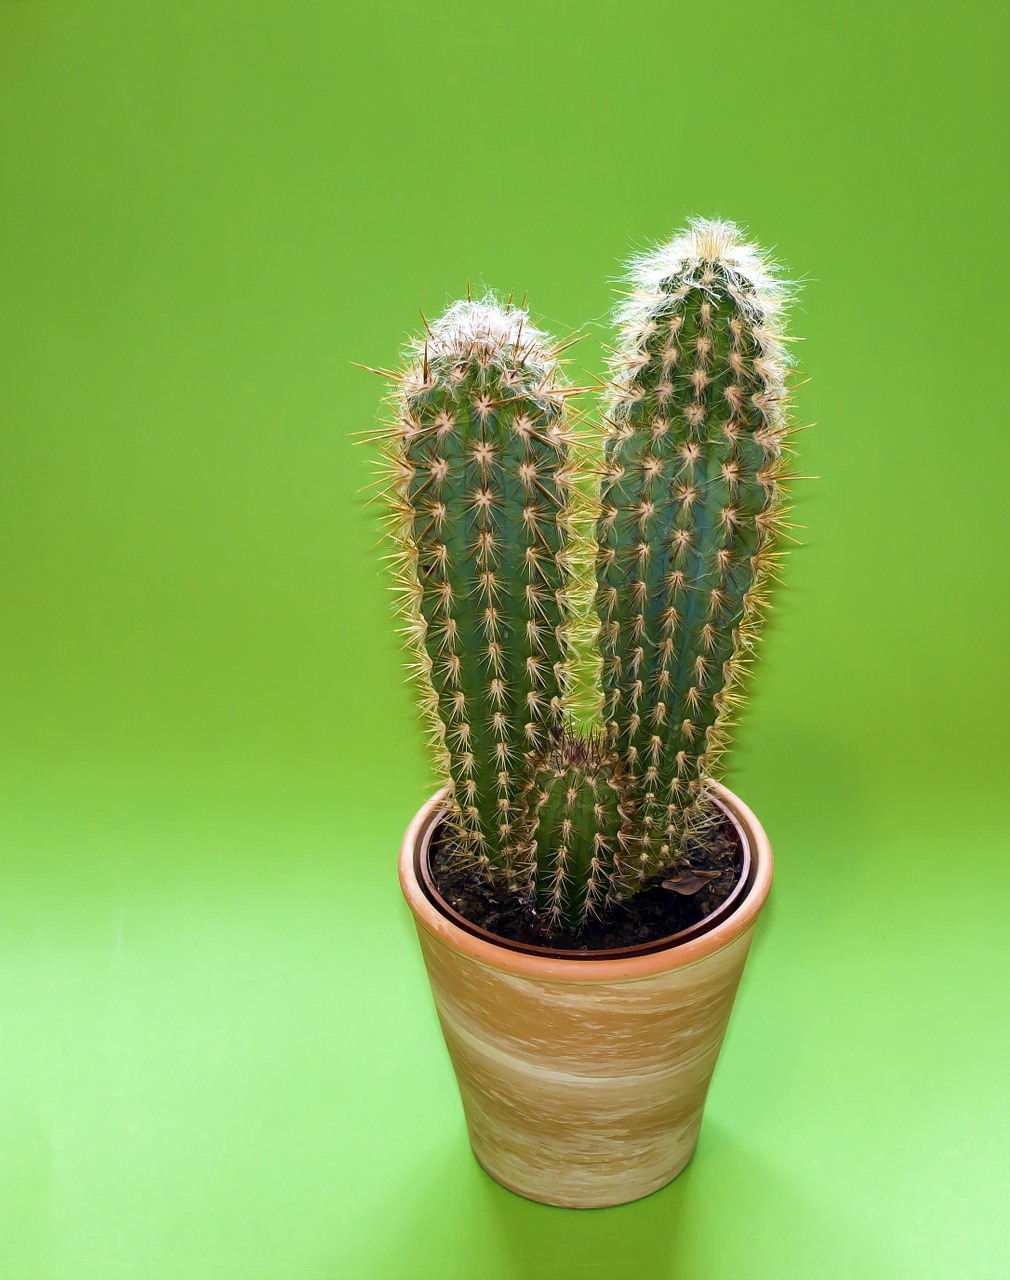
pixel 691 504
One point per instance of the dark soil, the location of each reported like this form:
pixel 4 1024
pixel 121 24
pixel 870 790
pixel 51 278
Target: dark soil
pixel 653 913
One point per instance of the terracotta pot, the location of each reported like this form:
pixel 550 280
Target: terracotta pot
pixel 583 1080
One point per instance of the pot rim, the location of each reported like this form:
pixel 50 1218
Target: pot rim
pixel 561 967
pixel 740 886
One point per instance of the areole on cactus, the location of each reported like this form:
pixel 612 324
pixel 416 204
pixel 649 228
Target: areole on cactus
pixel 499 515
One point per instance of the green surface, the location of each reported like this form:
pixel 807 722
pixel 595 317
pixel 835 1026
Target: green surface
pixel 218 1056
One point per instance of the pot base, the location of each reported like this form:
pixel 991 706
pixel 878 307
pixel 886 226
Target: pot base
pixel 553 1195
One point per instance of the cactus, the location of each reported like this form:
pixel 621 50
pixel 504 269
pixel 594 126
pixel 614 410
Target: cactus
pixel 691 501
pixel 483 510
pixel 495 559
pixel 577 830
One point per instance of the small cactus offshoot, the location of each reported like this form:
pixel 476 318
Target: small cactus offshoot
pixel 577 851
pixel 489 491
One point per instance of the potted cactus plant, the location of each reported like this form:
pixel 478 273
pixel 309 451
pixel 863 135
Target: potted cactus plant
pixel 580 612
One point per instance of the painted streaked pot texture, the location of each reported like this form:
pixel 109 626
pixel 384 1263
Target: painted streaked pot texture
pixel 584 1081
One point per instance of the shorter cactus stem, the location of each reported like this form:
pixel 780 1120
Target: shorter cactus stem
pixel 482 506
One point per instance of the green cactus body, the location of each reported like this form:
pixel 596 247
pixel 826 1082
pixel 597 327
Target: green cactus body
pixel 480 452
pixel 576 836
pixel 495 556
pixel 690 500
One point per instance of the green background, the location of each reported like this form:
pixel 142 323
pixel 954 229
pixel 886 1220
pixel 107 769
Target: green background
pixel 218 1054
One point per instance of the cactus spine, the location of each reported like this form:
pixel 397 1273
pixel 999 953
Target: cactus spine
pixel 482 507
pixel 691 499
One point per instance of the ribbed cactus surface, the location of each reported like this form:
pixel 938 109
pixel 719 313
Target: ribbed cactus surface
pixel 574 807
pixel 690 499
pixel 480 452
pixel 576 830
